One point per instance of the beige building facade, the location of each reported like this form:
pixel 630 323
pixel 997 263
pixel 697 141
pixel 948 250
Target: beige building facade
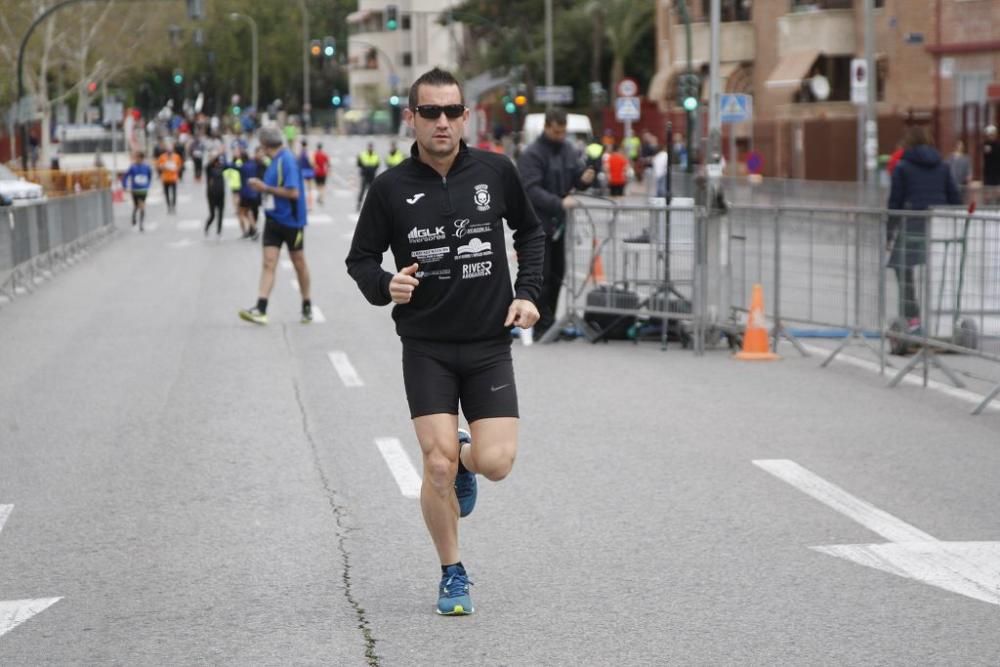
pixel 937 62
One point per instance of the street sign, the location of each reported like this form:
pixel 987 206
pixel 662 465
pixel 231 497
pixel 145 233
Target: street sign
pixel 859 81
pixel 113 110
pixel 735 108
pixel 627 88
pixel 627 109
pixel 554 94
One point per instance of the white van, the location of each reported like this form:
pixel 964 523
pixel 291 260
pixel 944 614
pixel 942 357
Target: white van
pixel 578 127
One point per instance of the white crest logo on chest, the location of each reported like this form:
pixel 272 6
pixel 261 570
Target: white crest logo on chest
pixel 482 197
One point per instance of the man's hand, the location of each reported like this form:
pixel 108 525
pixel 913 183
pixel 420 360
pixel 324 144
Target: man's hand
pixel 588 176
pixel 256 184
pixel 568 202
pixel 522 313
pixel 403 283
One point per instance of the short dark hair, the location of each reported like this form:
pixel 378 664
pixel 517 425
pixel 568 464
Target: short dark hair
pixel 434 77
pixel 555 116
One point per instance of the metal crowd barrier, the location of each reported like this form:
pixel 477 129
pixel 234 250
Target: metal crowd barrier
pixel 631 272
pixel 36 239
pixel 680 272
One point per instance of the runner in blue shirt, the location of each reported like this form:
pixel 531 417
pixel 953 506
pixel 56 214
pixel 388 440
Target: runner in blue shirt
pixel 137 179
pixel 283 198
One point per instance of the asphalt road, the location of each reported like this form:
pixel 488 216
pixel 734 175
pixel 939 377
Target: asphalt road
pixel 198 490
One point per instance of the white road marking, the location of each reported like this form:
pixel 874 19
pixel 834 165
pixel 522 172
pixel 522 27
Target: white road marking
pixel 199 225
pixel 400 466
pixel 345 370
pixel 320 219
pixel 15 612
pixel 318 315
pixel 349 236
pixel 183 243
pixel 836 498
pixel 287 264
pixel 295 284
pixel 967 568
pixel 915 379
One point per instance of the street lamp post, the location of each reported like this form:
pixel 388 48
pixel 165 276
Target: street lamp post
pixel 255 63
pixel 305 66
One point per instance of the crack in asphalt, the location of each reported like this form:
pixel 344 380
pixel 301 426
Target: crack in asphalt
pixel 339 513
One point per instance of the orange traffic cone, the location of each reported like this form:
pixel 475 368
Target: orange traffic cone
pixel 756 346
pixel 597 267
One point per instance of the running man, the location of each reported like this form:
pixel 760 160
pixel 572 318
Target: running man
pixel 137 179
pixel 322 162
pixel 454 306
pixel 284 203
pixel 169 166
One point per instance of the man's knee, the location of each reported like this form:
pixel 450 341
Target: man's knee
pixel 440 469
pixel 494 463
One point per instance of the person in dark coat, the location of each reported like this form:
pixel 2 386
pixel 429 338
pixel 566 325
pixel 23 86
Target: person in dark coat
pixel 215 189
pixel 551 169
pixel 921 180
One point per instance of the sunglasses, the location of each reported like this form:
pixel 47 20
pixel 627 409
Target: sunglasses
pixel 434 111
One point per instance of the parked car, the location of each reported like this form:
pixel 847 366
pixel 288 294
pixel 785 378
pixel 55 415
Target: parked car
pixel 17 189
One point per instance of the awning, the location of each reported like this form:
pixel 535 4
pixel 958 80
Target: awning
pixel 358 16
pixel 791 69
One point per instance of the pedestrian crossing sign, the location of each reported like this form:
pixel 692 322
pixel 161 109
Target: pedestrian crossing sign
pixel 627 109
pixel 735 108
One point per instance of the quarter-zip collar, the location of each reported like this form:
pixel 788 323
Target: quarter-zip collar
pixel 460 157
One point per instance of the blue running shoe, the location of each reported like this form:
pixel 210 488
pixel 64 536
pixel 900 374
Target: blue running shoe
pixel 453 594
pixel 465 481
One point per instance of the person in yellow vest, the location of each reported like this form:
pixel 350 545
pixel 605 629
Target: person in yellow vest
pixel 594 158
pixel 394 156
pixel 368 164
pixel 234 181
pixel 633 145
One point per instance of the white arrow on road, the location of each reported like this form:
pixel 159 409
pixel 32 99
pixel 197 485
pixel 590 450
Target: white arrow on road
pixel 967 568
pixel 15 612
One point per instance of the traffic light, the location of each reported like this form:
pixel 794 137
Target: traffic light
pixel 315 48
pixel 178 77
pixel 394 100
pixel 91 86
pixel 520 100
pixel 336 100
pixel 689 91
pixel 236 109
pixel 391 17
pixel 329 46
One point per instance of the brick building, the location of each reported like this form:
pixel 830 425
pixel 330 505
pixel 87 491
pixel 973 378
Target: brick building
pixel 937 62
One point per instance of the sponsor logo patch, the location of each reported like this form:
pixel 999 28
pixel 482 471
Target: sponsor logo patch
pixel 430 255
pixel 440 274
pixel 475 248
pixel 465 227
pixel 477 270
pixel 414 199
pixel 418 235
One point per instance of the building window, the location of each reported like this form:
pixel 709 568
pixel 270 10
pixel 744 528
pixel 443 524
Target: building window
pixel 837 70
pixel 730 10
pixel 405 25
pixel 818 5
pixel 406 59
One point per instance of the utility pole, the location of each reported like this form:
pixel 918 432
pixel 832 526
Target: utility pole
pixel 689 73
pixel 305 66
pixel 714 124
pixel 871 107
pixel 549 60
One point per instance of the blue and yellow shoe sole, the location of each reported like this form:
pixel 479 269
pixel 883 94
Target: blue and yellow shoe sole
pixel 458 610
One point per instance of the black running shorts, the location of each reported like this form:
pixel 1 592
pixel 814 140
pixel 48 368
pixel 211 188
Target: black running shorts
pixel 138 196
pixel 276 234
pixel 479 375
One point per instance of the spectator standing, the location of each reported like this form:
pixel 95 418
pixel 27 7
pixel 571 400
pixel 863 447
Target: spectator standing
pixel 368 164
pixel 919 181
pixel 617 168
pixel 394 156
pixel 551 169
pixel 961 168
pixel 991 165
